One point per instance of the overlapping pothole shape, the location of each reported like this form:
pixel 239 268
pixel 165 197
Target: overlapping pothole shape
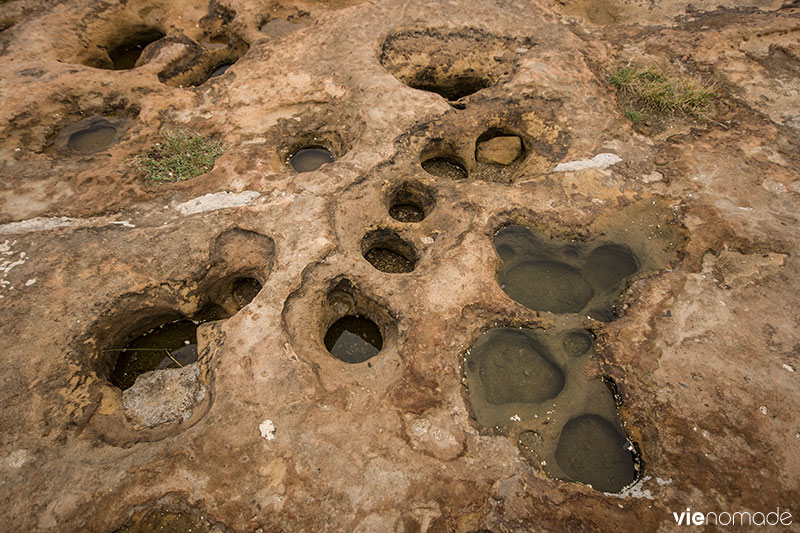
pixel 562 277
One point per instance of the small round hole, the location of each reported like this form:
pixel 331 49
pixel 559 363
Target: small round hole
pixel 387 252
pixel 410 202
pixel 444 167
pixel 354 339
pixel 310 158
pixel 94 138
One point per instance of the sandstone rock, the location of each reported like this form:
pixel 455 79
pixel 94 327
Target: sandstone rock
pixel 502 150
pixel 164 396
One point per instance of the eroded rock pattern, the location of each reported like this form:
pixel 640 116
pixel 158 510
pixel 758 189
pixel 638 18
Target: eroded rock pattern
pixel 442 124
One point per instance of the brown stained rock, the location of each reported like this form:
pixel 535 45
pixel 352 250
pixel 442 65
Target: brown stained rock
pixel 502 150
pixel 703 347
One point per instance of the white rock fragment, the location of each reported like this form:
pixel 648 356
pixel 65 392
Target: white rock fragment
pixel 515 418
pixel 218 200
pixel 788 367
pixel 763 409
pixel 267 429
pixel 32 281
pixel 17 458
pixel 599 161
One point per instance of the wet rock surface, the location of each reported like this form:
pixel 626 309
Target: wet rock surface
pixel 679 375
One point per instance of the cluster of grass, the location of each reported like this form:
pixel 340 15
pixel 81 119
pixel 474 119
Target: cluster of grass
pixel 652 90
pixel 182 155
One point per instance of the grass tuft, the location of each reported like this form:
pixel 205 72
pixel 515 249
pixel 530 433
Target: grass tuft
pixel 182 155
pixel 651 89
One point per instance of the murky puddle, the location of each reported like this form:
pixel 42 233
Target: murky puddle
pixel 562 277
pixel 310 158
pixel 354 339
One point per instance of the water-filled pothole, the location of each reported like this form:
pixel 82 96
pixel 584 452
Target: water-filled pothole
pixel 310 158
pixel 561 277
pixel 445 167
pixel 410 202
pixel 93 134
pixel 95 137
pixel 592 451
pixel 354 339
pixel 513 367
pixel 532 385
pixel 125 55
pixel 171 344
pixel 388 252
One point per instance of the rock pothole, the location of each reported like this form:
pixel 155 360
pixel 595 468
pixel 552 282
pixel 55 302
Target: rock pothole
pixel 388 252
pixel 354 339
pixel 410 202
pixel 353 326
pixel 93 134
pixel 124 51
pixel 532 384
pixel 452 64
pixel 310 158
pixel 562 277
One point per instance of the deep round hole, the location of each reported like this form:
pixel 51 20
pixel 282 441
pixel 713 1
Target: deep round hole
pixel 310 158
pixel 354 339
pixel 410 202
pixel 445 167
pixel 94 138
pixel 125 55
pixel 244 290
pixel 387 252
pixel 170 344
pixel 407 211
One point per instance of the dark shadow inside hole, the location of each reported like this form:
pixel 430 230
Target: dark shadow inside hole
pixel 219 70
pixel 445 167
pixel 310 158
pixel 125 55
pixel 408 211
pixel 387 252
pixel 170 344
pixel 94 138
pixel 410 202
pixel 453 88
pixel 244 290
pixel 354 339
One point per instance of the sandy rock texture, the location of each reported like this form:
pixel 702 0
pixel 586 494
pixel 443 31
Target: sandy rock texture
pixel 477 115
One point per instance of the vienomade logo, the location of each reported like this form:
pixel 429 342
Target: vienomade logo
pixel 739 518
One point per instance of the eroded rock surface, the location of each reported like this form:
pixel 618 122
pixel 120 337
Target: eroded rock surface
pixel 693 348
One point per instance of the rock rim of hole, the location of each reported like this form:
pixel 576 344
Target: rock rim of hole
pixel 501 150
pixel 163 396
